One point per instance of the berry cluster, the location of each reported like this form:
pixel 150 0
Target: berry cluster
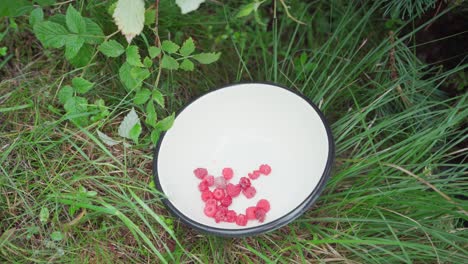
pixel 219 197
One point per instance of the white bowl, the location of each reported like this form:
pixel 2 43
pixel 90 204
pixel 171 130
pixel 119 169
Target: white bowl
pixel 243 126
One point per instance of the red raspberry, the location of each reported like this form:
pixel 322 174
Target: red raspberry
pixel 203 186
pixel 265 169
pixel 233 190
pixel 228 173
pixel 211 201
pixel 231 216
pixel 264 204
pixel 200 173
pixel 226 201
pixel 209 179
pixel 250 212
pixel 249 192
pixel 241 220
pixel 254 175
pixel 260 214
pixel 206 195
pixel 210 210
pixel 218 194
pixel 220 182
pixel 220 214
pixel 244 183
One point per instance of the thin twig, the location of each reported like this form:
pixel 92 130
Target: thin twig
pixel 286 9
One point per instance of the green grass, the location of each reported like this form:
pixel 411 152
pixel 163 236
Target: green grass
pixel 395 191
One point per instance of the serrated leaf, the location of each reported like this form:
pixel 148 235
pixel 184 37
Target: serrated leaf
pixel 142 96
pixel 187 48
pixel 51 35
pixel 150 17
pixel 106 139
pixel 83 57
pixel 129 16
pixel 207 58
pixel 187 65
pixel 135 132
pixel 44 215
pixel 74 106
pixel 14 8
pixel 154 51
pixel 129 121
pixel 81 85
pixel 166 123
pixel 56 236
pixel 133 56
pixel 111 48
pixel 132 77
pixel 75 21
pixel 187 6
pixel 158 97
pixel 155 136
pixel 94 34
pixel 37 15
pixel 169 63
pixel 147 62
pixel 73 45
pixel 65 93
pixel 151 116
pixel 169 46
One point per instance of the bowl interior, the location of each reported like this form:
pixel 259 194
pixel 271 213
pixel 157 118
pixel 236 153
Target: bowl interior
pixel 243 126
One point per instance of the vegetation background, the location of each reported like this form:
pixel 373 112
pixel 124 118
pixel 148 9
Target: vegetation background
pixel 389 75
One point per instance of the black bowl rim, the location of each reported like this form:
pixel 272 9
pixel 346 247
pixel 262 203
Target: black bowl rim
pixel 282 221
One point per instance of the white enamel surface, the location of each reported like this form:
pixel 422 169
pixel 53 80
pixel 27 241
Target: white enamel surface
pixel 243 126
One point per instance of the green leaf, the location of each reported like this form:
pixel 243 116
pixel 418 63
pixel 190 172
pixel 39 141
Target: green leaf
pixel 129 121
pixel 65 93
pixel 142 96
pixel 207 58
pixel 3 51
pixel 106 139
pixel 169 63
pixel 37 15
pixel 187 65
pixel 155 136
pixel 150 17
pixel 154 51
pixel 133 56
pixel 169 46
pixel 81 85
pixel 158 98
pixel 77 105
pixel 129 16
pixel 245 10
pixel 132 77
pixel 56 236
pixel 111 48
pixel 51 35
pixel 139 73
pixel 83 57
pixel 73 45
pixel 187 48
pixel 151 116
pixel 94 34
pixel 14 8
pixel 44 215
pixel 147 62
pixel 75 21
pixel 135 132
pixel 166 123
pixel 187 6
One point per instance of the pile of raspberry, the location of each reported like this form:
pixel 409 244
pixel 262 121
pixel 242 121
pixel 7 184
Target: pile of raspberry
pixel 217 193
